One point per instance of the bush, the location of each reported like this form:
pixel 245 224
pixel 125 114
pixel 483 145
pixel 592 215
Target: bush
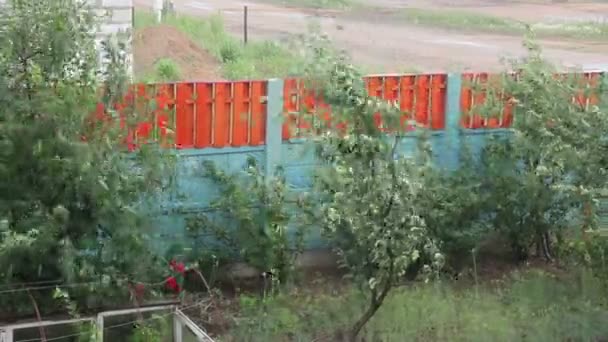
pixel 453 207
pixel 252 218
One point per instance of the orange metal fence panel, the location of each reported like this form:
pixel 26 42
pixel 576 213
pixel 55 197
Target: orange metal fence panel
pixel 420 97
pixel 257 108
pixel 476 87
pixel 193 114
pixel 220 114
pixel 203 115
pixel 184 115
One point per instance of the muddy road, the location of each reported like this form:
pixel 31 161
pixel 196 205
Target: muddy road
pixel 382 43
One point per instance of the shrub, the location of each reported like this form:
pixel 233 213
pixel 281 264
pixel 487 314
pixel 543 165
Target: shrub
pixel 252 217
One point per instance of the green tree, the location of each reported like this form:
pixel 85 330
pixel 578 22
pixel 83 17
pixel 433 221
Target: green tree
pixel 554 164
pixel 69 192
pixel 367 192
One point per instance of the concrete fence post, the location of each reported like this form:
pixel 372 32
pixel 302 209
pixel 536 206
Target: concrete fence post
pixel 274 123
pixel 453 118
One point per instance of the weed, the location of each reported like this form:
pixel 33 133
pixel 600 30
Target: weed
pixel 167 70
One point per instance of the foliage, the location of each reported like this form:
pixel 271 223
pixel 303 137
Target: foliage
pixel 553 165
pixel 153 329
pixel 254 220
pixel 591 252
pixel 367 191
pixel 69 192
pixel 453 202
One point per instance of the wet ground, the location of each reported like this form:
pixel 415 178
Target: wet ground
pixel 382 42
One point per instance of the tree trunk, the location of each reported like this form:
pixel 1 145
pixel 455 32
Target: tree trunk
pixel 356 329
pixel 546 239
pixel 375 304
pixel 38 317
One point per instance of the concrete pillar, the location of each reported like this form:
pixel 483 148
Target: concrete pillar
pixel 274 123
pixel 158 10
pixel 453 119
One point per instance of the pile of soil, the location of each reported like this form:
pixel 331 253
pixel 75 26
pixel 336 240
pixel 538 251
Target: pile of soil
pixel 154 43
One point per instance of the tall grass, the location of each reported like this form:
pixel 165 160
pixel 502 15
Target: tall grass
pixel 257 59
pixel 529 307
pixel 471 21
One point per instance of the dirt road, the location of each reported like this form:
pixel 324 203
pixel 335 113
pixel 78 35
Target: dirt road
pixel 380 43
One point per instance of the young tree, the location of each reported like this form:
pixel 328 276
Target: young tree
pixel 69 192
pixel 367 191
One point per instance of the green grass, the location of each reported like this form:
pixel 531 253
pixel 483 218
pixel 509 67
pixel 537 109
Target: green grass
pixel 528 307
pixel 257 59
pixel 461 20
pixel 330 4
pixel 470 21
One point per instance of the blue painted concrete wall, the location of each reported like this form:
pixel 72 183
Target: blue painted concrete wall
pixel 193 193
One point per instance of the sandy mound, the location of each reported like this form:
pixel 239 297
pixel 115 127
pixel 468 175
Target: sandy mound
pixel 154 43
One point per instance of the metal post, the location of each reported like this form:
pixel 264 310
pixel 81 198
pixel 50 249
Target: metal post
pixel 245 24
pixel 6 335
pixel 177 329
pixel 99 327
pixel 158 10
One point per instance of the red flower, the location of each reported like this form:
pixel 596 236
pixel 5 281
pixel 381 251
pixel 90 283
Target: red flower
pixel 177 267
pixel 171 284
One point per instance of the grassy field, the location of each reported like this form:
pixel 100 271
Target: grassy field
pixel 330 4
pixel 257 59
pixel 526 306
pixel 470 21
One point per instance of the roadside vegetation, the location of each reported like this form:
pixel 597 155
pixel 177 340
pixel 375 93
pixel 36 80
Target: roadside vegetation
pixel 331 4
pixel 257 59
pixel 504 247
pixel 475 22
